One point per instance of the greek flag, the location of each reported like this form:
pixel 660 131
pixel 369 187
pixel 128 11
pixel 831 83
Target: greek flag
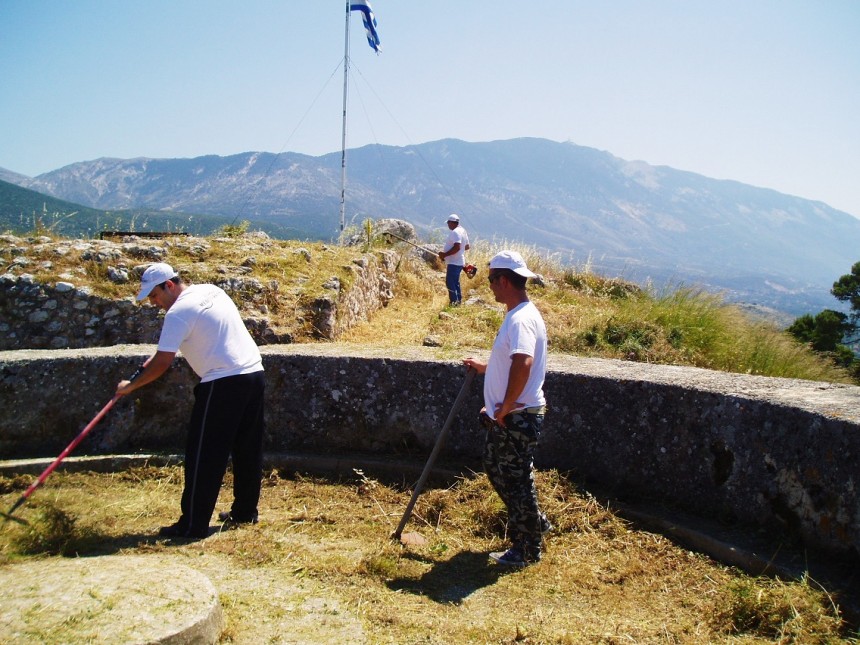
pixel 369 22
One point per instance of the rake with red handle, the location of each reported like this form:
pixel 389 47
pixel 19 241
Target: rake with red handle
pixel 41 479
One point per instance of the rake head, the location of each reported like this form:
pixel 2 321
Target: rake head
pixel 9 516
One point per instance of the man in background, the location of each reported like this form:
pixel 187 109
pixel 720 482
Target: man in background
pixel 454 254
pixel 227 419
pixel 514 407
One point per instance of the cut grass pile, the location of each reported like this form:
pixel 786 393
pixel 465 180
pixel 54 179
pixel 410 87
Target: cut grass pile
pixel 321 565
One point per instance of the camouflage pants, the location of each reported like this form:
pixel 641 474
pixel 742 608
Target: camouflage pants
pixel 509 464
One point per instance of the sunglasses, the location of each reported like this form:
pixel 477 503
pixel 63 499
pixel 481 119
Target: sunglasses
pixel 493 277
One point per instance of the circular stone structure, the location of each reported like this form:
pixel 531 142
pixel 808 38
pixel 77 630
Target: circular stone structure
pixel 111 599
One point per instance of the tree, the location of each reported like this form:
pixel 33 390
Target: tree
pixel 847 289
pixel 832 332
pixel 824 332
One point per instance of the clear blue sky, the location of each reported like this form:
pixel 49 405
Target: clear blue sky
pixel 766 92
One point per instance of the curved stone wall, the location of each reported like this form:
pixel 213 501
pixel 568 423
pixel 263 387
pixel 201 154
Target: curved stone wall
pixel 777 453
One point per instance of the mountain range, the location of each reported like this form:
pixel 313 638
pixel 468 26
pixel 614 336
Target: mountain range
pixel 585 206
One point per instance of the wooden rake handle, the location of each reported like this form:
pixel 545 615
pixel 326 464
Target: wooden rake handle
pixel 440 440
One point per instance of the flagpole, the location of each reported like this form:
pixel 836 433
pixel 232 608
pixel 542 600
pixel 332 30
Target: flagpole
pixel 372 40
pixel 343 131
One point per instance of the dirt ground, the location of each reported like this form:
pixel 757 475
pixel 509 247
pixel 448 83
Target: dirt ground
pixel 321 567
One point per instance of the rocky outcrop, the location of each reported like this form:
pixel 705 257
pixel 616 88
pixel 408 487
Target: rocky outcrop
pixel 34 315
pixel 59 314
pixel 371 288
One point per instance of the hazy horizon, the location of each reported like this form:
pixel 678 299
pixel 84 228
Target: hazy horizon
pixel 765 93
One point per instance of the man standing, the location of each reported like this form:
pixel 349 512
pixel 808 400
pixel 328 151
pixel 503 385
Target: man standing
pixel 227 418
pixel 455 258
pixel 514 407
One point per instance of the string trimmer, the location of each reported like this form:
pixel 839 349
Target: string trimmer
pixel 470 269
pixel 41 479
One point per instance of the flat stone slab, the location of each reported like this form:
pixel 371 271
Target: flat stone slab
pixel 111 599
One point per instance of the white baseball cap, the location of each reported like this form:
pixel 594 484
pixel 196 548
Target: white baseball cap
pixel 513 261
pixel 453 217
pixel 154 275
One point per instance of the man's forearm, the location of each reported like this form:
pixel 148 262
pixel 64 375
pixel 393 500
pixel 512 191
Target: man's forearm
pixel 157 366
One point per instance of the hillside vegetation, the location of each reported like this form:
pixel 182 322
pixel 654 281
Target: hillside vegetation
pixel 23 210
pixel 586 314
pixel 592 315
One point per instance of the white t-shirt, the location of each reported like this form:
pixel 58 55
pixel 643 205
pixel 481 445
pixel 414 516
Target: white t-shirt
pixel 457 235
pixel 206 327
pixel 522 332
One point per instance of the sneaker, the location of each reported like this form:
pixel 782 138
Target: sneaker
pixel 545 525
pixel 183 532
pixel 227 517
pixel 513 557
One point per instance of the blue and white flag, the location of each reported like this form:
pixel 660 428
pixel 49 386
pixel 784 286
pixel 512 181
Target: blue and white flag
pixel 369 22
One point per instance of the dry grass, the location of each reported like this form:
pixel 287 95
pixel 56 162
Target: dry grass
pixel 591 315
pixel 409 317
pixel 586 314
pixel 321 567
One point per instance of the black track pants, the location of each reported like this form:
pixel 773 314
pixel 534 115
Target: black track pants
pixel 227 419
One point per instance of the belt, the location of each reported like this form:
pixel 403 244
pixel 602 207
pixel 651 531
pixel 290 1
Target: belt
pixel 538 409
pixel 489 423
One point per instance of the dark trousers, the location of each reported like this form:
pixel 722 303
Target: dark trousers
pixel 227 420
pixel 509 464
pixel 452 282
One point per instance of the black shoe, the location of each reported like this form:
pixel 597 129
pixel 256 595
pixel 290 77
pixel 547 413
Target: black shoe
pixel 183 532
pixel 227 518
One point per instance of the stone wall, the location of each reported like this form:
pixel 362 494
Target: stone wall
pixel 371 289
pixel 36 315
pixel 775 453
